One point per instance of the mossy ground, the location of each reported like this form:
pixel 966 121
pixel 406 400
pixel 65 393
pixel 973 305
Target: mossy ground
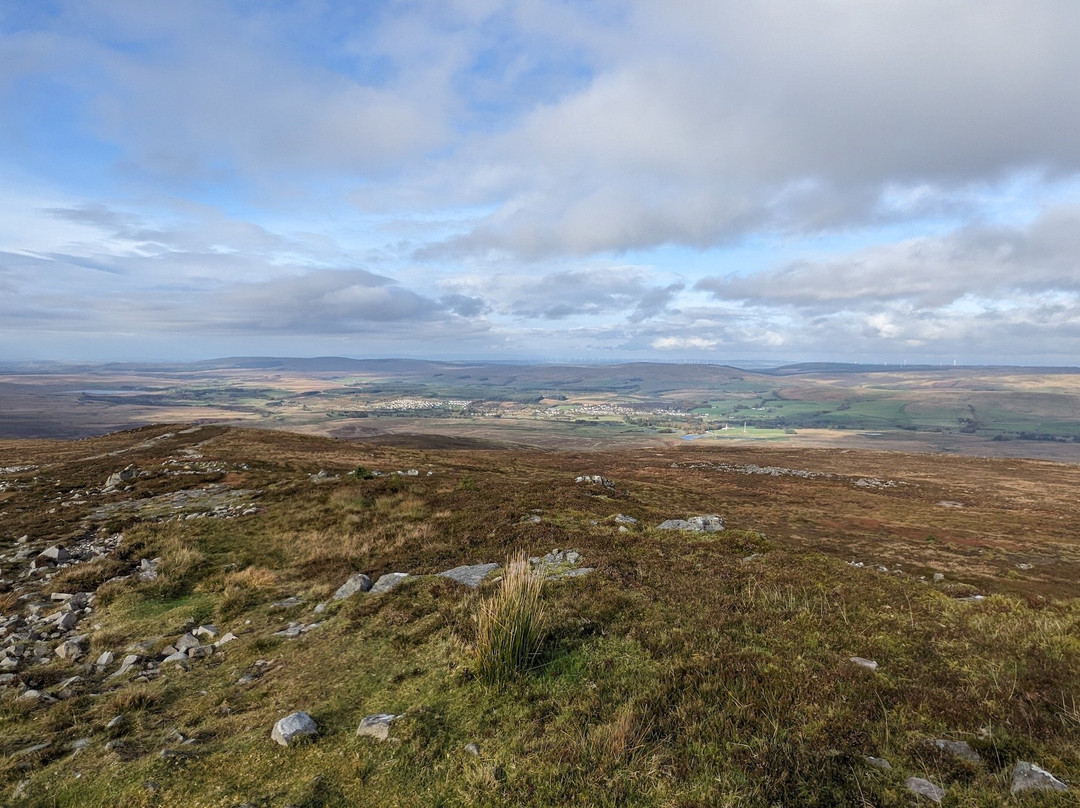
pixel 677 674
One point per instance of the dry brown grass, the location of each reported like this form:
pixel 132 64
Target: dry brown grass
pixel 510 623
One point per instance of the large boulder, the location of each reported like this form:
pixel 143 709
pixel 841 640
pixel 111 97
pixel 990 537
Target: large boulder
pixel 357 582
pixel 710 523
pixel 294 727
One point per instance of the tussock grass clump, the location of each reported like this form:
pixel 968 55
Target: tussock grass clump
pixel 509 624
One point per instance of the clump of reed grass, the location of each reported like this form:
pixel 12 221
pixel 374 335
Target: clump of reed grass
pixel 509 623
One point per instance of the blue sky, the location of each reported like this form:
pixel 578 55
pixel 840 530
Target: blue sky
pixel 821 180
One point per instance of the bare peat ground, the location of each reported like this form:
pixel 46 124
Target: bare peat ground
pixel 685 670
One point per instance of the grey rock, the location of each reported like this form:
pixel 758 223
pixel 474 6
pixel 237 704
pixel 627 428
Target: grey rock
pixel 387 582
pixel 960 749
pixel 878 763
pixel 924 788
pixel 200 651
pixel 115 722
pixel 695 524
pixel 80 744
pixel 623 519
pixel 30 695
pixel 470 576
pixel 472 749
pixel 376 726
pixel 357 582
pixel 863 662
pixel 56 554
pixel 1029 777
pixel 187 641
pixel 71 649
pixel 178 656
pixel 939 576
pixel 148 569
pixel 209 631
pixel 227 638
pixel 113 745
pixel 289 603
pixel 66 622
pixel 293 727
pixel 321 607
pixel 123 476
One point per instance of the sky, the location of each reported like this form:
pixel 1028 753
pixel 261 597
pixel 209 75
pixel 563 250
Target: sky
pixel 600 180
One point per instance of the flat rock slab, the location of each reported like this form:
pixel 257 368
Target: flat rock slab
pixel 471 576
pixel 710 523
pixel 924 788
pixel 357 582
pixel 387 582
pixel 293 727
pixel 376 726
pixel 1029 777
pixel 863 662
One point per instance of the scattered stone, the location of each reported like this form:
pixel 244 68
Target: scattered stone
pixel 376 726
pixel 387 582
pixel 115 721
pixel 472 749
pixel 200 651
pixel 176 656
pixel 623 519
pixel 924 788
pixel 66 621
pixel 862 661
pixel 695 524
pixel 1029 777
pixel 357 582
pixel 114 744
pixel 293 727
pixel 227 638
pixel 289 603
pixel 296 629
pixel 878 763
pixel 56 554
pixel 71 649
pixel 321 607
pixel 30 695
pixel 596 479
pixel 123 476
pixel 79 745
pixel 209 631
pixel 470 576
pixel 187 641
pixel 148 569
pixel 939 576
pixel 960 749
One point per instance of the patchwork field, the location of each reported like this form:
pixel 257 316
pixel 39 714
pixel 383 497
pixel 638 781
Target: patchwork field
pixel 999 412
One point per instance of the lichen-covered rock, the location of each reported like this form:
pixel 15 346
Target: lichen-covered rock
pixel 924 788
pixel 294 727
pixel 710 523
pixel 357 582
pixel 960 749
pixel 376 726
pixel 470 576
pixel 1029 777
pixel 387 582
